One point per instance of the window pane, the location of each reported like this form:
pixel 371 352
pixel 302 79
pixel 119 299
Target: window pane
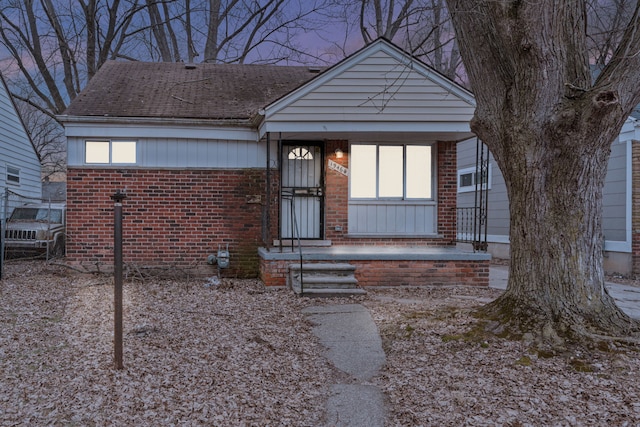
pixel 418 172
pixel 123 152
pixel 13 174
pixel 363 171
pixel 300 153
pixel 391 171
pixel 97 152
pixel 466 179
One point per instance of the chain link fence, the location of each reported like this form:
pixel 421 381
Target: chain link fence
pixel 36 229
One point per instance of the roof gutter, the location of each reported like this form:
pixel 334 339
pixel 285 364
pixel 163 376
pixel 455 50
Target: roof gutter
pixel 157 121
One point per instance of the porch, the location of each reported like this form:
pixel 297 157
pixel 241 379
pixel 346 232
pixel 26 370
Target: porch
pixel 382 265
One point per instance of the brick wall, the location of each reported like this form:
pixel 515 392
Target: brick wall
pixel 395 273
pixel 337 200
pixel 175 218
pixel 172 218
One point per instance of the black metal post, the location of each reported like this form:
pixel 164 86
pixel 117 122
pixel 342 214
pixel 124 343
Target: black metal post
pixel 1 247
pixel 117 277
pixel 3 225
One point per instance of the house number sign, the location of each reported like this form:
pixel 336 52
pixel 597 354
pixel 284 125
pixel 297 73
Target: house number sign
pixel 338 168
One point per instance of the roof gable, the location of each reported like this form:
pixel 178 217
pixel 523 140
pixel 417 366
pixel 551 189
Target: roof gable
pixel 378 83
pixel 15 141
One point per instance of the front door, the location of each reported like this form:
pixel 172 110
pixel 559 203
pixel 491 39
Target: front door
pixel 301 192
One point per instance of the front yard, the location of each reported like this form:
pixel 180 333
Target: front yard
pixel 239 355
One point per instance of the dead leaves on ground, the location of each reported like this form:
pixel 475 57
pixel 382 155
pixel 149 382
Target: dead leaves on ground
pixel 240 355
pixel 441 372
pixel 192 355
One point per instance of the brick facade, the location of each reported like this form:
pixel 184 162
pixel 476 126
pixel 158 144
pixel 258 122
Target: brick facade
pixel 176 218
pixel 172 218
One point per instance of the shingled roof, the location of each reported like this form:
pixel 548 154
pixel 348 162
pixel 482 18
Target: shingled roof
pixel 193 91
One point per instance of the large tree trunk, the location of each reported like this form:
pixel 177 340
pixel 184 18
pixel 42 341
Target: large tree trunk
pixel 556 283
pixel 550 130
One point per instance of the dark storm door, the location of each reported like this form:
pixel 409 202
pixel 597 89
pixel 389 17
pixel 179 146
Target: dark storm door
pixel 302 200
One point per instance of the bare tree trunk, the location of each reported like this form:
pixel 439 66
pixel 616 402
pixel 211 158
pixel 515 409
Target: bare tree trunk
pixel 191 52
pixel 550 131
pixel 157 28
pixel 163 32
pixel 172 33
pixel 211 47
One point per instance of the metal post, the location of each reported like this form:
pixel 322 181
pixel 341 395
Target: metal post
pixel 267 214
pixel 3 225
pixel 280 162
pixel 1 247
pixel 117 277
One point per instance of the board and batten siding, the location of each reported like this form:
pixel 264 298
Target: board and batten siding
pixel 392 219
pixel 615 196
pixel 183 153
pixel 17 151
pixel 378 88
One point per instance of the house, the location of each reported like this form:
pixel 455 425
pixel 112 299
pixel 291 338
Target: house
pixel 621 200
pixel 20 171
pixel 354 164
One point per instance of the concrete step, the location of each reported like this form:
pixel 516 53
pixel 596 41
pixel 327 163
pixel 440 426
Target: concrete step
pixel 324 279
pixel 322 267
pixel 328 281
pixel 333 292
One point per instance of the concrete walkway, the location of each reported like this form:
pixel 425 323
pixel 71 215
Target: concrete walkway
pixel 353 345
pixel 627 297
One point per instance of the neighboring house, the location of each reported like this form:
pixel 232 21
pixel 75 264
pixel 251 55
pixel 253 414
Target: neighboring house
pixel 621 200
pixel 356 162
pixel 54 191
pixel 20 171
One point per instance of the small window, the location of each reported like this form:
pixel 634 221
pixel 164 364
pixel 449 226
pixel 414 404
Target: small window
pixel 110 152
pixel 467 179
pixel 13 175
pixel 300 153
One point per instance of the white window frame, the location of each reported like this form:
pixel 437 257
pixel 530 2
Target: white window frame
pixel 404 197
pixel 472 187
pixel 111 143
pixel 15 173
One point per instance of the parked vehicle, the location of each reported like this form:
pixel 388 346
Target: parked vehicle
pixel 37 228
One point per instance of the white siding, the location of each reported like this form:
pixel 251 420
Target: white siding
pixel 392 219
pixel 614 196
pixel 378 87
pixel 185 153
pixel 16 150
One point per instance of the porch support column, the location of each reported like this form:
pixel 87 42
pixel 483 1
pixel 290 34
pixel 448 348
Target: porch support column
pixel 267 214
pixel 279 207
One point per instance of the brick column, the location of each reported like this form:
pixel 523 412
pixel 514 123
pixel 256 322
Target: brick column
pixel 447 192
